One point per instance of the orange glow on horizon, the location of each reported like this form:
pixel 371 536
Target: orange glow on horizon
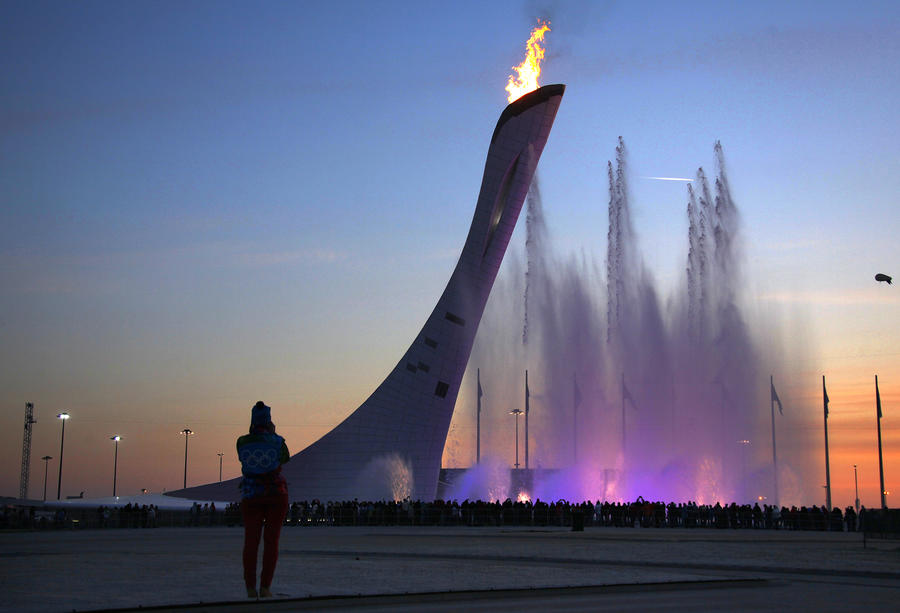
pixel 528 72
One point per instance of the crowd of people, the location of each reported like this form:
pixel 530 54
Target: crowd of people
pixel 640 513
pixel 560 513
pixel 128 516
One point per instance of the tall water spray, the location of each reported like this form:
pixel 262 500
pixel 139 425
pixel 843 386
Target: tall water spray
pixel 631 395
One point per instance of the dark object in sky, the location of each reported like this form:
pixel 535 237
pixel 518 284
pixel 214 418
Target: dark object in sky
pixel 883 277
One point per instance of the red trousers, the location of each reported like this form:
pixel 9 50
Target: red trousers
pixel 269 511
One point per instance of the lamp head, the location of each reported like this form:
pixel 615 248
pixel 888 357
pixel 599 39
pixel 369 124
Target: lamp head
pixel 63 416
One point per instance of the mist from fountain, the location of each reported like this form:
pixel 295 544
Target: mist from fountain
pixel 632 394
pixel 387 477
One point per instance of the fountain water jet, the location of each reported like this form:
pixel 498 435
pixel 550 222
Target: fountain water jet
pixel 691 363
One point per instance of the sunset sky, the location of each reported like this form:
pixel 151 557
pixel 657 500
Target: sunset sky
pixel 205 204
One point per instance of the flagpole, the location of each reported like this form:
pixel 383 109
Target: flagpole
pixel 478 422
pixel 774 453
pixel 527 409
pixel 827 465
pixel 672 411
pixel 880 459
pixel 623 414
pixel 574 422
pixel 725 442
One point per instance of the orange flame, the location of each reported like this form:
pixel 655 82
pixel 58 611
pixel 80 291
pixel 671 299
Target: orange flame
pixel 530 69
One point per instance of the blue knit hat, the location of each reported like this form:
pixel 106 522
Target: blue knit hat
pixel 260 414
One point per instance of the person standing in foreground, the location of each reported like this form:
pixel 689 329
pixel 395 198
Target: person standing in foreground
pixel 264 496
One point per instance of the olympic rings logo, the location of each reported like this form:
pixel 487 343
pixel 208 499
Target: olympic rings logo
pixel 265 459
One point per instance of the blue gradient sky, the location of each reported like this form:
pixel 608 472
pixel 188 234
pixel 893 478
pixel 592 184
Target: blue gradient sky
pixel 207 203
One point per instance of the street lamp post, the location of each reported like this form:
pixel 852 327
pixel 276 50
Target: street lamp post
pixel 744 443
pixel 856 488
pixel 220 454
pixel 517 412
pixel 186 432
pixel 46 460
pixel 62 442
pixel 115 438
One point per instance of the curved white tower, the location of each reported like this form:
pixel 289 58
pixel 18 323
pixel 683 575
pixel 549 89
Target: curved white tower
pixel 408 415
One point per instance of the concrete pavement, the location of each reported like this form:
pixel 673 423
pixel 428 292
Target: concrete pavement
pixel 449 568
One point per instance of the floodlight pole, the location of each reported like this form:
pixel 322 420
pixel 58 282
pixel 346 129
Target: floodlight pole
pixel 46 460
pixel 744 443
pixel 187 432
pixel 116 438
pixel 62 442
pixel 517 412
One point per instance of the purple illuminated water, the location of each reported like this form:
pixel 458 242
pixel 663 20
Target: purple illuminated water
pixel 694 379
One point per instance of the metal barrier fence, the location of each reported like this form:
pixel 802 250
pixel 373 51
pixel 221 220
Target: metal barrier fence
pixel 874 522
pixel 881 523
pixel 40 518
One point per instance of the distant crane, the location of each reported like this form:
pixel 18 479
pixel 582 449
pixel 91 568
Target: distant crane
pixel 26 450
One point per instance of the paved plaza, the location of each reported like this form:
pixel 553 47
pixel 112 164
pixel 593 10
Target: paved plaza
pixel 453 568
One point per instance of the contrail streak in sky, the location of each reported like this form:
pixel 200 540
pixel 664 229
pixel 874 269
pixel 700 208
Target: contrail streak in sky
pixel 669 179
